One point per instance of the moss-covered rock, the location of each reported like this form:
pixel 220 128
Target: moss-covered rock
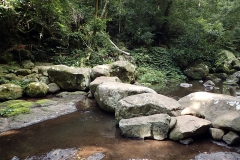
pixel 70 78
pixel 37 89
pixel 10 91
pixel 197 71
pixel 124 70
pixel 23 72
pixel 226 62
pixel 15 107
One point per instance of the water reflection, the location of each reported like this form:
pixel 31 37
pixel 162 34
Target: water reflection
pixel 176 91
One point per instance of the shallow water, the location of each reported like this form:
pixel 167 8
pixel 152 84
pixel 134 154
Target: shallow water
pixel 91 130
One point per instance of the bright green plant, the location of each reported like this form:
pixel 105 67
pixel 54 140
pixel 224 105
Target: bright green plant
pixel 15 107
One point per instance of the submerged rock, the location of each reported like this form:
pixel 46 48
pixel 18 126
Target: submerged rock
pixel 218 156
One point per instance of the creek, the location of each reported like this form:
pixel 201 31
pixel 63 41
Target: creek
pixel 91 132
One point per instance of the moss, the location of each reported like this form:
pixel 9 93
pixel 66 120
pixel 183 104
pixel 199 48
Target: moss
pixel 15 107
pixel 43 101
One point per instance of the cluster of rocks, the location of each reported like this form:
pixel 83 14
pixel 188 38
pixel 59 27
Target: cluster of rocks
pixel 225 64
pixel 142 113
pixel 37 80
pixel 139 111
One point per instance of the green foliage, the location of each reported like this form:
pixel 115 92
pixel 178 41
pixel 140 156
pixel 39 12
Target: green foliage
pixel 150 76
pixel 200 28
pixel 156 66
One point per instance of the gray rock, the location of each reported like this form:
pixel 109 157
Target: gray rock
pixel 37 89
pixel 27 64
pixel 44 79
pixel 231 138
pixel 146 104
pixel 185 85
pixel 218 156
pixel 31 78
pixel 96 156
pixel 222 110
pixel 216 133
pixel 197 71
pixel 189 126
pixel 186 141
pixel 53 88
pixel 108 94
pixel 42 69
pixel 99 80
pixel 10 91
pixel 208 83
pixel 124 70
pixel 154 126
pixel 100 70
pixel 172 123
pixel 70 78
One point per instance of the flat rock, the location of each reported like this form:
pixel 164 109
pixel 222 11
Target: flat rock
pixel 146 104
pixel 189 126
pixel 218 156
pixel 99 80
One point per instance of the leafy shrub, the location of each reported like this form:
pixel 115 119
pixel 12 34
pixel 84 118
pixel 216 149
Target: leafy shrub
pixel 158 64
pixel 150 76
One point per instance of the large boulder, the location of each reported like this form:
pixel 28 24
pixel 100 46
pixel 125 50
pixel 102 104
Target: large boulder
pixel 70 78
pixel 108 94
pixel 37 89
pixel 10 91
pixel 197 71
pixel 189 126
pixel 99 80
pixel 146 104
pixel 226 62
pixel 154 126
pixel 222 110
pixel 100 70
pixel 124 70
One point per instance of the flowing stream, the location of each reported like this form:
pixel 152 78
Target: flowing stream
pixel 91 134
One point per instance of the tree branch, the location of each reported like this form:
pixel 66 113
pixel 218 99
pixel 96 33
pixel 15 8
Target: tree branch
pixel 116 45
